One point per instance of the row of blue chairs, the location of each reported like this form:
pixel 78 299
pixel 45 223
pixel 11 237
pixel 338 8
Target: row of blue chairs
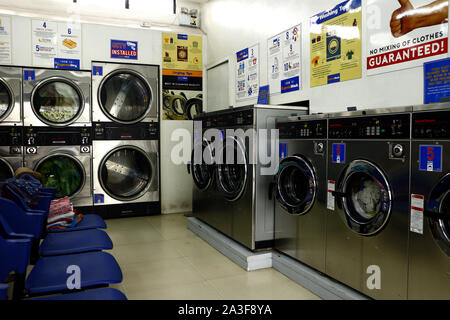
pixel 54 255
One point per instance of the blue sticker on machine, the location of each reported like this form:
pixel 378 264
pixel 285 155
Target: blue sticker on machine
pixel 430 158
pixel 338 153
pixel 97 70
pixel 99 198
pixel 29 75
pixel 283 150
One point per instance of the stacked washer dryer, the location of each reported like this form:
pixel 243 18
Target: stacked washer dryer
pixel 368 201
pixel 10 121
pixel 241 208
pixel 429 249
pixel 125 111
pixel 57 131
pixel 300 190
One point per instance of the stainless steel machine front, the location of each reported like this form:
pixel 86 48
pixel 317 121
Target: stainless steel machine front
pixel 125 93
pixel 63 158
pixel 56 98
pixel 429 246
pixel 10 96
pixel 243 210
pixel 368 198
pixel 300 190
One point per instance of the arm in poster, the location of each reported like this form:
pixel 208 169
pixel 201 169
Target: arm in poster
pixel 407 18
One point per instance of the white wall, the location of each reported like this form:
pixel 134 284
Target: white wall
pixel 96 46
pixel 232 25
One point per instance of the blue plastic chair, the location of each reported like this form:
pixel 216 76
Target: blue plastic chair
pixel 89 221
pixel 18 223
pixel 49 275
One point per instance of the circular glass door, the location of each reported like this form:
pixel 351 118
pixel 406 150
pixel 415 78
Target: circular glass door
pixel 125 173
pixel 6 171
pixel 62 172
pixel 439 202
pixel 57 102
pixel 366 198
pixel 6 100
pixel 125 97
pixel 232 177
pixel 296 185
pixel 203 171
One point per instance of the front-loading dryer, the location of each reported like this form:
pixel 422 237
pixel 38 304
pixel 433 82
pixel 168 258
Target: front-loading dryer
pixel 300 190
pixel 56 98
pixel 126 169
pixel 125 93
pixel 368 199
pixel 429 248
pixel 10 96
pixel 63 157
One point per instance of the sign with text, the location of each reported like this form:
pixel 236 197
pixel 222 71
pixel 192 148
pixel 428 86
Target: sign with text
pixel 405 34
pixel 436 80
pixel 338 153
pixel 121 49
pixel 247 73
pixel 430 158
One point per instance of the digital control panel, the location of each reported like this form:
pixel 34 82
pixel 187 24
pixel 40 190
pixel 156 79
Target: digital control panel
pixel 45 136
pixel 371 127
pixel 114 131
pixel 240 118
pixel 316 129
pixel 431 125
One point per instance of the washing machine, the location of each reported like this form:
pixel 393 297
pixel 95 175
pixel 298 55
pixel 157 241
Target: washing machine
pixel 126 169
pixel 300 190
pixel 368 201
pixel 125 93
pixel 242 179
pixel 10 96
pixel 63 157
pixel 56 98
pixel 11 157
pixel 206 199
pixel 429 249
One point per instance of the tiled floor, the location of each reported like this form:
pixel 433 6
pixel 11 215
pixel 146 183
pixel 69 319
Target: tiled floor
pixel 161 259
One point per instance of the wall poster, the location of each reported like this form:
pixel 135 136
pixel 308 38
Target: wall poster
pixel 56 45
pixel 5 40
pixel 182 74
pixel 405 33
pixel 247 73
pixel 335 44
pixel 284 60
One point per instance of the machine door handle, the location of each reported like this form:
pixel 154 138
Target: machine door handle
pixel 436 215
pixel 189 168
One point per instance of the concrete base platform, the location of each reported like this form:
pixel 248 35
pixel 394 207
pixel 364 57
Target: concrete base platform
pixel 319 284
pixel 237 253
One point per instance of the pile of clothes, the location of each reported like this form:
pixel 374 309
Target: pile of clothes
pixel 26 184
pixel 62 215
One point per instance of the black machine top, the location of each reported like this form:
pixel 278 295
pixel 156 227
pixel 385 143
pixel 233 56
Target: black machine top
pixel 48 136
pixel 371 127
pixel 227 119
pixel 11 136
pixel 115 131
pixel 314 129
pixel 431 125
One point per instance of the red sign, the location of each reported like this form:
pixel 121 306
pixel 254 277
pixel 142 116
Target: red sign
pixel 420 51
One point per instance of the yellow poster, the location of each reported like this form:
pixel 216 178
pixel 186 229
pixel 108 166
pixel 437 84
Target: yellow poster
pixel 336 44
pixel 182 52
